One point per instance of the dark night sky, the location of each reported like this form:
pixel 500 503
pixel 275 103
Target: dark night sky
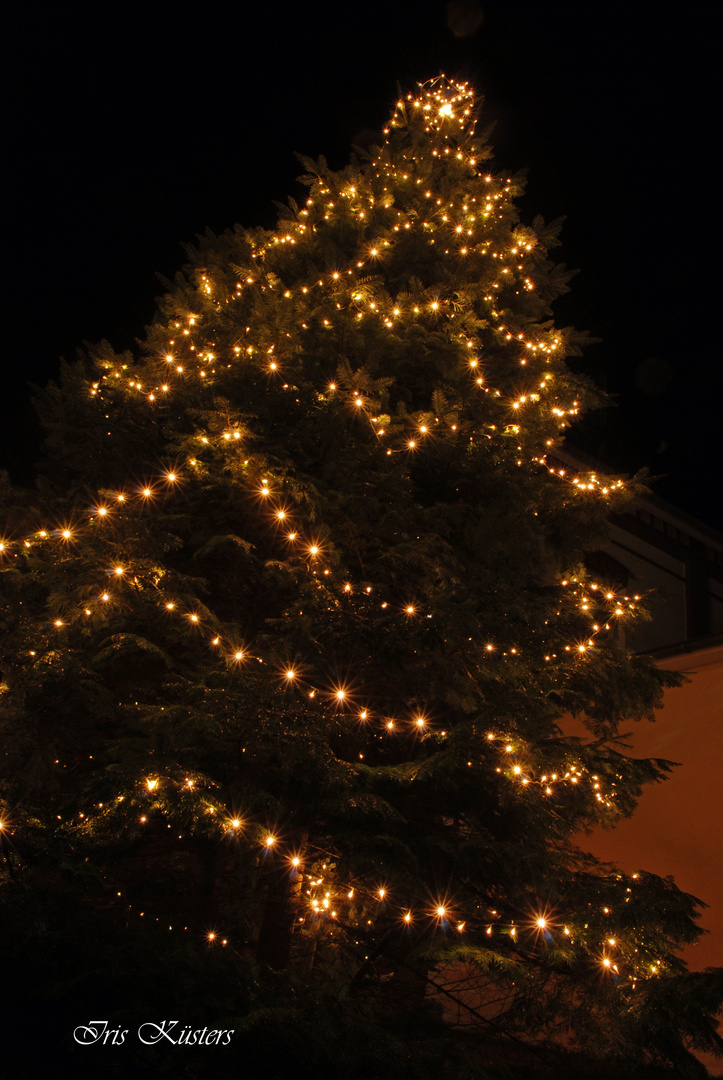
pixel 125 135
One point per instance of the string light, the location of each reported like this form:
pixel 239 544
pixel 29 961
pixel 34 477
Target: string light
pixel 542 406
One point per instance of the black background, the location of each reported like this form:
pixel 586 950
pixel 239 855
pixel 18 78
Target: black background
pixel 128 132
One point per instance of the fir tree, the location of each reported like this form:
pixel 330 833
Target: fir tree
pixel 292 624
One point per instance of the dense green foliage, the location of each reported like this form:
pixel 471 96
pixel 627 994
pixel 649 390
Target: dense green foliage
pixel 290 630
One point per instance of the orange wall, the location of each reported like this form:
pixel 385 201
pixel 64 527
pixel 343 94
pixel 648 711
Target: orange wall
pixel 678 826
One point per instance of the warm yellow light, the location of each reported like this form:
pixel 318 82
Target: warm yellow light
pixel 281 514
pixel 313 550
pixel 441 912
pixel 238 656
pixel 290 674
pixel 270 841
pixel 119 570
pixel 410 610
pixel 541 923
pixel 236 823
pixel 170 606
pixel 152 784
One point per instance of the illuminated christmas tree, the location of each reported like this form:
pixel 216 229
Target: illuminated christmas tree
pixel 294 622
